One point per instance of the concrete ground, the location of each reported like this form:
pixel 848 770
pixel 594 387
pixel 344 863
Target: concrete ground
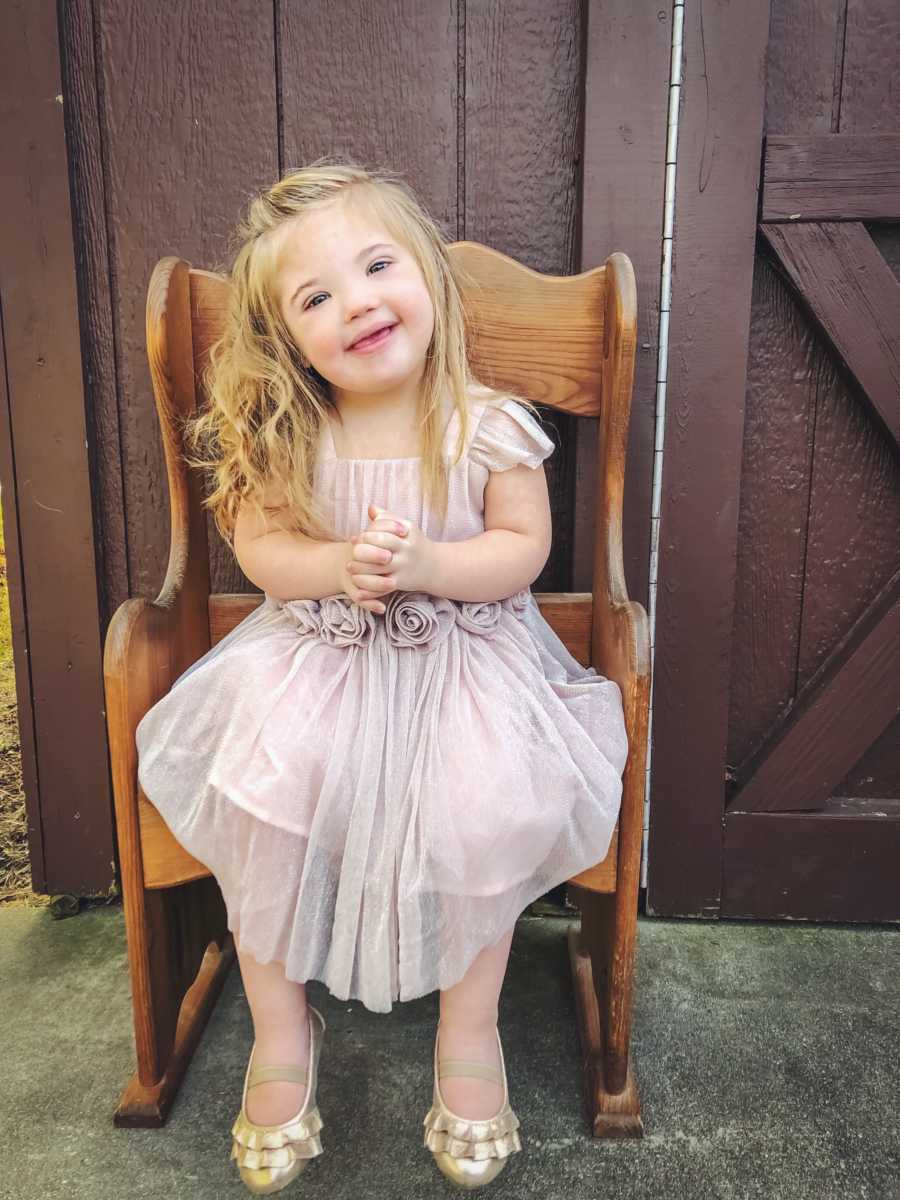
pixel 767 1057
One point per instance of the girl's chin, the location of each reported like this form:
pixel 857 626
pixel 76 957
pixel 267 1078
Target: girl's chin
pixel 375 376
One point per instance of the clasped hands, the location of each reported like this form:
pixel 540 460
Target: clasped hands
pixel 391 554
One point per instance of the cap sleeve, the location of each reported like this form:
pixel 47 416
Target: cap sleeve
pixel 507 434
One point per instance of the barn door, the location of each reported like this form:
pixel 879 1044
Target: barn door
pixel 812 816
pixel 775 764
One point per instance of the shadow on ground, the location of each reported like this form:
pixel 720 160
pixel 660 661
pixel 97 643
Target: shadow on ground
pixel 766 1056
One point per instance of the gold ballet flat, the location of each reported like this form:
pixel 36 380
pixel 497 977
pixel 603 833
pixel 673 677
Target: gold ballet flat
pixel 470 1153
pixel 269 1157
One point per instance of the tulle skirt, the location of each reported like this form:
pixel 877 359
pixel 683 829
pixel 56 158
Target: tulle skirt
pixel 379 797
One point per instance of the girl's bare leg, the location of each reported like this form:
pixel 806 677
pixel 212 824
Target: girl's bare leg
pixel 281 1030
pixel 468 1013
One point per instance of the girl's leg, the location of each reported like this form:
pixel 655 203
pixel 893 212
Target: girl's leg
pixel 281 1030
pixel 468 1013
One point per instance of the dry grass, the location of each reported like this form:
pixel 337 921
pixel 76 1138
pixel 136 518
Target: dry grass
pixel 15 870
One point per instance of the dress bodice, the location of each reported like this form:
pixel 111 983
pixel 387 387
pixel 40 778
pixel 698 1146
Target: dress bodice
pixel 500 435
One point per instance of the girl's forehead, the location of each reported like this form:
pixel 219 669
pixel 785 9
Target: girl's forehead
pixel 342 219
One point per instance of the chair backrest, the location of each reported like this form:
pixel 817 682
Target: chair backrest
pixel 543 336
pixel 563 341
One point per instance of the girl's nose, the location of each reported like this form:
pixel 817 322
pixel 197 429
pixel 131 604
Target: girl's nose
pixel 359 299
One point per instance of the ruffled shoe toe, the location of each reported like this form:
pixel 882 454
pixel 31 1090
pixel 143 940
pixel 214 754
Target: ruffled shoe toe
pixel 470 1153
pixel 269 1157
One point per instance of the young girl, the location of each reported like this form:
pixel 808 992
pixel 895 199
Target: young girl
pixel 394 754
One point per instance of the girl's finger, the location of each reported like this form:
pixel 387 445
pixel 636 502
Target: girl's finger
pixel 375 584
pixel 401 524
pixel 369 551
pixel 385 526
pixel 376 537
pixel 378 570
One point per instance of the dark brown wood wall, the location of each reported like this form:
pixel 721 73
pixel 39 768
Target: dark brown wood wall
pixel 175 114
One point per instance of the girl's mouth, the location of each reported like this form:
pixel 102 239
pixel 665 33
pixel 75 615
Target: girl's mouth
pixel 374 341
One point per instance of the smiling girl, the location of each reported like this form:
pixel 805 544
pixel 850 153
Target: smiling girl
pixel 394 754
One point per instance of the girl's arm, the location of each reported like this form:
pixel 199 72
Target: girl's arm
pixel 290 566
pixel 511 552
pixel 287 565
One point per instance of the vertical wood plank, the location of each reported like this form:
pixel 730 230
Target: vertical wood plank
pixel 522 108
pixel 869 99
pixel 46 475
pixel 85 151
pixel 377 83
pixel 189 129
pixel 804 62
pixel 627 61
pixel 18 621
pixel 719 149
pixel 522 117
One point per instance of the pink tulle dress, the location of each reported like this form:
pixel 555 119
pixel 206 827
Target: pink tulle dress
pixel 380 796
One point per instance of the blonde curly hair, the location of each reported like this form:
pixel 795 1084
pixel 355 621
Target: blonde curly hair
pixel 259 432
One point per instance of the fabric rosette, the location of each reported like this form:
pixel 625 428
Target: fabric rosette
pixel 478 616
pixel 305 615
pixel 344 623
pixel 418 619
pixel 518 602
pixel 414 619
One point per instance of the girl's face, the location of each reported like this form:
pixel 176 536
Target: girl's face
pixel 341 279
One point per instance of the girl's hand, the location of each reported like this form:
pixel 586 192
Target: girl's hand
pixel 390 554
pixel 365 575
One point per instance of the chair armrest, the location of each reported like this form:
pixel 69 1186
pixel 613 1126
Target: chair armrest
pixel 620 650
pixel 620 641
pixel 140 642
pixel 620 631
pixel 147 646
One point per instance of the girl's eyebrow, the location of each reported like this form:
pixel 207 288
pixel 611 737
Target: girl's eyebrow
pixel 362 254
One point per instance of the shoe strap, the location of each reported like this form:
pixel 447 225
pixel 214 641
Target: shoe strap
pixel 477 1070
pixel 291 1074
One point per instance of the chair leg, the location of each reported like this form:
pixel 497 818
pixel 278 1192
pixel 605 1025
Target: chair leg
pixel 601 955
pixel 179 951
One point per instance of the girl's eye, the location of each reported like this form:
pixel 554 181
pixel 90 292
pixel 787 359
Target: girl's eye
pixel 379 262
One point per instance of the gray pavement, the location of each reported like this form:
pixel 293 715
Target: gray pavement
pixel 767 1058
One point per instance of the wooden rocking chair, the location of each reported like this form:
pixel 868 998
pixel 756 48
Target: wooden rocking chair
pixel 567 342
